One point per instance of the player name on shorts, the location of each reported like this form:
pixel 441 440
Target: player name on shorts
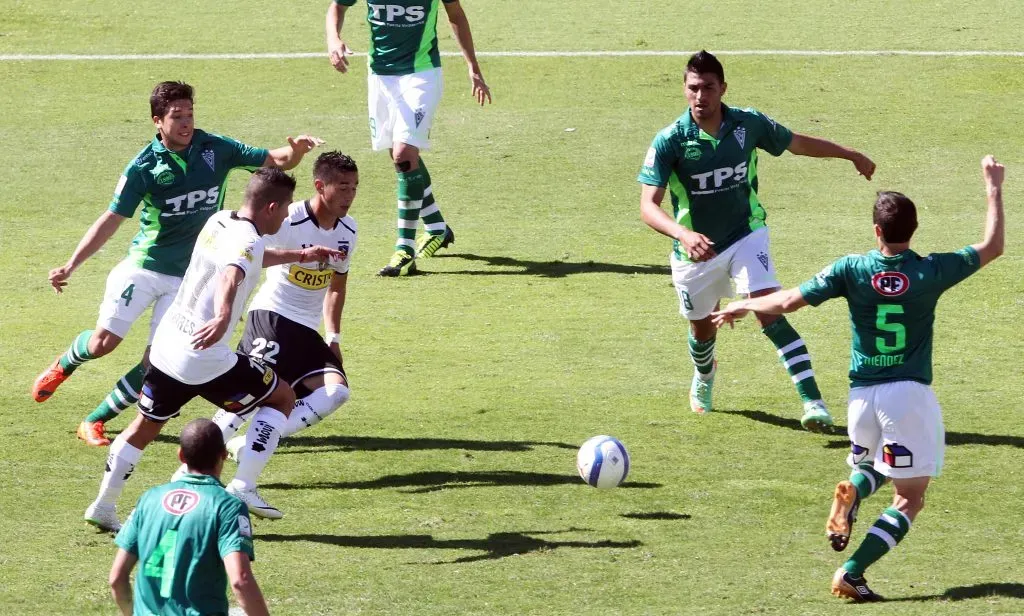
pixel 313 280
pixel 881 361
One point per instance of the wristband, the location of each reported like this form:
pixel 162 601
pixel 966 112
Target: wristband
pixel 332 338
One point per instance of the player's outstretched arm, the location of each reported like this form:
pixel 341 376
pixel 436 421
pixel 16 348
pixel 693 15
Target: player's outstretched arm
pixel 243 584
pixel 334 304
pixel 805 145
pixel 94 239
pixel 289 156
pixel 697 246
pixel 337 50
pixel 120 580
pixel 460 28
pixel 320 254
pixel 780 302
pixel 991 247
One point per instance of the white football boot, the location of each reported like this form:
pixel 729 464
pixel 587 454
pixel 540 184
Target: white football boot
pixel 103 517
pixel 252 499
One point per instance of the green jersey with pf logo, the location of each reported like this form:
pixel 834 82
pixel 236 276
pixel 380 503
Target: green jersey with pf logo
pixel 179 192
pixel 403 35
pixel 892 308
pixel 181 532
pixel 713 179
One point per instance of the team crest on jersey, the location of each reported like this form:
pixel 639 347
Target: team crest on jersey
pixel 650 157
pixel 897 456
pixel 180 502
pixel 244 527
pixel 741 135
pixel 890 284
pixel 419 115
pixel 162 173
pixel 208 158
pixel 692 153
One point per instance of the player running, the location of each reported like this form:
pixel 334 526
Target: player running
pixel 190 355
pixel 708 161
pixel 404 86
pixel 895 423
pixel 180 180
pixel 192 538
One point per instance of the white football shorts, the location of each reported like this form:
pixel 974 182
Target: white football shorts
pixel 130 290
pixel 747 263
pixel 402 108
pixel 899 426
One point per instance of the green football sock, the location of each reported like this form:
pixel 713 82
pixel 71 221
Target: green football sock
pixel 78 353
pixel 890 528
pixel 794 357
pixel 433 222
pixel 703 354
pixel 866 479
pixel 410 201
pixel 124 395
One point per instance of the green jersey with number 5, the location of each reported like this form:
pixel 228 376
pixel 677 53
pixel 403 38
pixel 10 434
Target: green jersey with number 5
pixel 181 532
pixel 892 308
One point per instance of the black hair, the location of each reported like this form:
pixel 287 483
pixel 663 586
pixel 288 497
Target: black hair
pixel 896 214
pixel 705 62
pixel 329 164
pixel 202 445
pixel 269 185
pixel 165 93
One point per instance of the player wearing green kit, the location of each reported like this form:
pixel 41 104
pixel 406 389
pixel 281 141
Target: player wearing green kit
pixel 179 180
pixel 895 423
pixel 707 160
pixel 191 537
pixel 404 88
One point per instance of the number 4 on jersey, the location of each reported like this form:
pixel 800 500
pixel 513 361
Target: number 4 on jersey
pixel 160 563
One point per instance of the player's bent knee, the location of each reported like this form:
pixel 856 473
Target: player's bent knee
pixel 337 394
pixel 102 342
pixel 282 399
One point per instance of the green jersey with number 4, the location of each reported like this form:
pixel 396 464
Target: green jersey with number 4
pixel 403 35
pixel 892 308
pixel 181 533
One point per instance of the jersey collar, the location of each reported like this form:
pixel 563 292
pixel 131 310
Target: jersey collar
pixel 896 258
pixel 158 146
pixel 312 216
pixel 235 216
pixel 693 131
pixel 199 479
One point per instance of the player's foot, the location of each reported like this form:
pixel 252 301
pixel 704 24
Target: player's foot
pixel 257 506
pixel 845 504
pixel 816 417
pixel 401 264
pixel 428 244
pixel 103 517
pixel 180 473
pixel 92 433
pixel 234 446
pixel 48 382
pixel 700 390
pixel 845 585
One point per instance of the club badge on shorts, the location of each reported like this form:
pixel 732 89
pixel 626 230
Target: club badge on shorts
pixel 897 456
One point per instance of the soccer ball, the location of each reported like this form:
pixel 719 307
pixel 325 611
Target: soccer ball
pixel 603 462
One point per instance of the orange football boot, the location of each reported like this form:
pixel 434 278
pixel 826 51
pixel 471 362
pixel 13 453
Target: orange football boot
pixel 92 433
pixel 48 382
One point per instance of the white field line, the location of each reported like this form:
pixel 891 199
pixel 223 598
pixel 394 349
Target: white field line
pixel 515 54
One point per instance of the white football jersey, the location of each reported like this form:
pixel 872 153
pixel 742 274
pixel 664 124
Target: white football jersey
pixel 226 240
pixel 296 290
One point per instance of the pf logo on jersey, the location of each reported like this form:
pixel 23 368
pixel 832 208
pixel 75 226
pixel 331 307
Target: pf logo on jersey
pixel 391 12
pixel 180 502
pixel 890 284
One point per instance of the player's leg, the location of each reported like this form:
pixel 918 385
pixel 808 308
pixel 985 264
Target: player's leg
pixel 421 94
pixel 162 399
pixel 327 392
pixel 438 234
pixel 700 286
pixel 754 272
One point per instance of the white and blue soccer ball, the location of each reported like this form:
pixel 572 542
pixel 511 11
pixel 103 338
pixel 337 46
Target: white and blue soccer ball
pixel 603 462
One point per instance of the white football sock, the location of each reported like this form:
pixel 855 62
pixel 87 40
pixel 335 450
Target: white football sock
pixel 229 423
pixel 260 441
pixel 315 407
pixel 121 462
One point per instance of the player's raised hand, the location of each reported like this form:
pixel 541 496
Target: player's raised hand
pixel 339 57
pixel 480 90
pixel 210 333
pixel 304 143
pixel 320 254
pixel 864 165
pixel 730 314
pixel 990 168
pixel 59 277
pixel 697 246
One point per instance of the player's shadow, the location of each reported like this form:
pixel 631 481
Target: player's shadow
pixel 494 547
pixel 433 481
pixel 339 442
pixel 838 439
pixel 547 269
pixel 988 590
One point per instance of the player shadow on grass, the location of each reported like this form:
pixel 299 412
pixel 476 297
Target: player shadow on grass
pixel 345 443
pixel 838 439
pixel 495 546
pixel 975 591
pixel 433 481
pixel 548 269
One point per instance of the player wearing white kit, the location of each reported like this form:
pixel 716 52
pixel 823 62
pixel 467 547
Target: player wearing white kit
pixel 190 356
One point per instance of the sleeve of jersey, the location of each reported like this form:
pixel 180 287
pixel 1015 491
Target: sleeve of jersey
pixel 657 165
pixel 341 265
pixel 827 284
pixel 129 193
pixel 954 267
pixel 234 531
pixel 244 257
pixel 128 537
pixel 243 156
pixel 775 138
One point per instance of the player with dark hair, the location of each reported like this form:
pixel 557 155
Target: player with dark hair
pixel 895 423
pixel 707 160
pixel 179 179
pixel 192 537
pixel 190 355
